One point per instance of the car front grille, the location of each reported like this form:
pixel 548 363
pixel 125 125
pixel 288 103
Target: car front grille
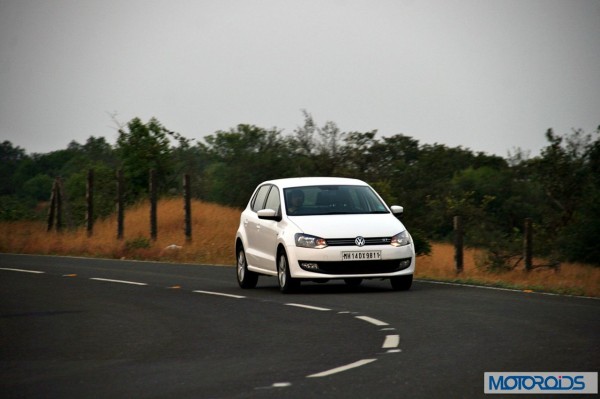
pixel 338 242
pixel 356 267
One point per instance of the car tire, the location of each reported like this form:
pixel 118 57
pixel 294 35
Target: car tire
pixel 245 277
pixel 287 284
pixel 402 283
pixel 353 282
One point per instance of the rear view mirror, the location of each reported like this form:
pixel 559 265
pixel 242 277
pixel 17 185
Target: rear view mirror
pixel 397 210
pixel 268 214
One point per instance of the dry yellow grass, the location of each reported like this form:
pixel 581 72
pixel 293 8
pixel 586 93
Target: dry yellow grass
pixel 572 278
pixel 213 230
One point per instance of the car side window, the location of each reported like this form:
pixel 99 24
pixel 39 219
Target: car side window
pixel 273 201
pixel 259 198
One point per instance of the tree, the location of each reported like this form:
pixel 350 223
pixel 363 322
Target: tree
pixel 10 157
pixel 356 156
pixel 568 172
pixel 563 172
pixel 241 158
pixel 141 147
pixel 328 149
pixel 38 188
pixel 317 151
pixel 302 148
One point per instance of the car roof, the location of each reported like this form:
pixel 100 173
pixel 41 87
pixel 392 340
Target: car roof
pixel 315 181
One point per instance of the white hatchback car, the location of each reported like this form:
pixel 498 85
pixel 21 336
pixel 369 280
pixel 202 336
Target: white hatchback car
pixel 322 228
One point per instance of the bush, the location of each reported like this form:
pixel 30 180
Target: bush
pixel 14 208
pixel 422 245
pixel 137 243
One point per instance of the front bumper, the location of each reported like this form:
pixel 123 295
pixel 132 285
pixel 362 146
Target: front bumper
pixel 328 263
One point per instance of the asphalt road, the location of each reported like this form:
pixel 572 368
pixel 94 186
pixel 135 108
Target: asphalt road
pixel 119 329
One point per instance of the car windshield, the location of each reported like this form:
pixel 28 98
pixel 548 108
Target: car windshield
pixel 332 200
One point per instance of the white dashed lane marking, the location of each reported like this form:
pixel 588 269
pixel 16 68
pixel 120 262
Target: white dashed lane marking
pixel 341 368
pixel 21 270
pixel 391 341
pixel 372 320
pixel 219 294
pixel 299 305
pixel 108 280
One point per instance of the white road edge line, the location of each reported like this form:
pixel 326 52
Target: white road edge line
pixel 341 368
pixel 391 341
pixel 372 320
pixel 219 294
pixel 21 270
pixel 281 384
pixel 117 281
pixel 299 305
pixel 505 289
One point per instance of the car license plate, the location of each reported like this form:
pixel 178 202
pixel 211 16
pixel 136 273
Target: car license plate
pixel 361 255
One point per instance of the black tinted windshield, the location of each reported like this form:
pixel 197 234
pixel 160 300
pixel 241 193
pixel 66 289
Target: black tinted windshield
pixel 331 200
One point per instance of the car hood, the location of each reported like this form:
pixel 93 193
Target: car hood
pixel 344 226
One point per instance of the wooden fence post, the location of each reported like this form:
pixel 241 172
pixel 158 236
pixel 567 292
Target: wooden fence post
pixel 120 205
pixel 458 244
pixel 59 204
pixel 187 205
pixel 89 196
pixel 153 200
pixel 52 207
pixel 527 245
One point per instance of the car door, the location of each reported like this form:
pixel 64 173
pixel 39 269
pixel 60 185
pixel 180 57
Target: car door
pixel 268 231
pixel 252 226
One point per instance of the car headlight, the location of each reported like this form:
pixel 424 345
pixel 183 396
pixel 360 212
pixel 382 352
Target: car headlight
pixel 308 241
pixel 401 239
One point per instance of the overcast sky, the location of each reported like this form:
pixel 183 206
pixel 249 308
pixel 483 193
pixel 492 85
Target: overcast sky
pixel 485 75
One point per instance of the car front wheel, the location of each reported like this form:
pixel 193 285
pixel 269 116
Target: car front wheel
pixel 245 277
pixel 286 282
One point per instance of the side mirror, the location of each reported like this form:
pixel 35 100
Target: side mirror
pixel 268 214
pixel 397 210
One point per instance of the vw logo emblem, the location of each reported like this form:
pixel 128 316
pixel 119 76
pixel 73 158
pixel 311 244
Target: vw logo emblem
pixel 359 241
